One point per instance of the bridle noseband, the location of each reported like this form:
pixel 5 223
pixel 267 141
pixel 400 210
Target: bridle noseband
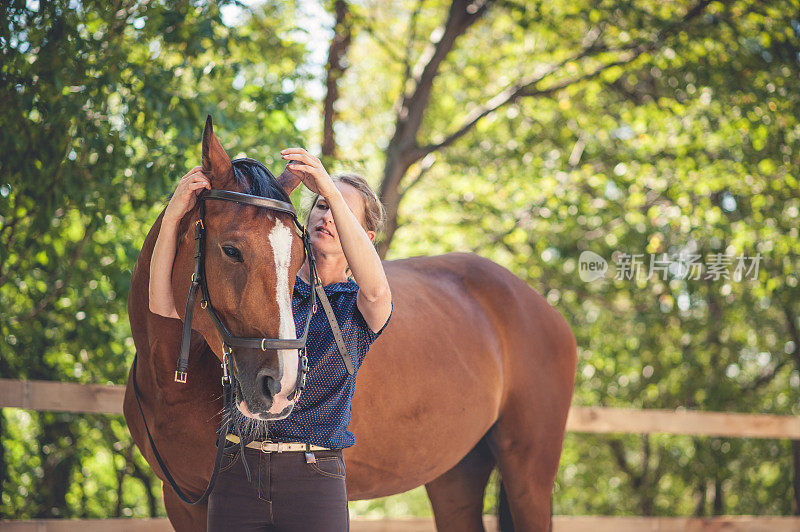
pixel 230 341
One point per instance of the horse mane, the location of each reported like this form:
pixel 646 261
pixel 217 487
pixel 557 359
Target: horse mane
pixel 255 179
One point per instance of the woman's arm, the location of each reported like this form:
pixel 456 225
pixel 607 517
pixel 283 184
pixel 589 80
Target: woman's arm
pixel 161 301
pixel 184 198
pixel 374 296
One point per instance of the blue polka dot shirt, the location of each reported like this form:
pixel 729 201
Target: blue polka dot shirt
pixel 322 413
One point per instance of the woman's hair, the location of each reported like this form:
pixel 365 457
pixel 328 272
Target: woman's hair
pixel 374 212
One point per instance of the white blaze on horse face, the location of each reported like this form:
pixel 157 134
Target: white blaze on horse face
pixel 281 240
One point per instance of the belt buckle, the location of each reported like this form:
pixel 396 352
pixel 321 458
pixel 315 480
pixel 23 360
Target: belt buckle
pixel 264 444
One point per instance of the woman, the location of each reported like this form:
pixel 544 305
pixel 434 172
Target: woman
pixel 293 490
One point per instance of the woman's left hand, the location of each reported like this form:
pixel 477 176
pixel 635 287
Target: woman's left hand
pixel 310 171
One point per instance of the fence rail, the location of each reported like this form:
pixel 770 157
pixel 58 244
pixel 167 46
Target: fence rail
pixel 561 523
pixel 107 399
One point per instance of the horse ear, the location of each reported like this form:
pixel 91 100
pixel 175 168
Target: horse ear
pixel 288 180
pixel 216 162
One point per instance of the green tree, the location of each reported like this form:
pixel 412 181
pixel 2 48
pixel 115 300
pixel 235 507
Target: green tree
pixel 531 132
pixel 528 132
pixel 103 108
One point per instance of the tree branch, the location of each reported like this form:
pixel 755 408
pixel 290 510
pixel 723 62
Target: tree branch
pixel 12 227
pixel 412 36
pixel 403 149
pixel 791 324
pixel 764 377
pixel 461 16
pixel 618 451
pixel 426 165
pixel 527 87
pixel 391 52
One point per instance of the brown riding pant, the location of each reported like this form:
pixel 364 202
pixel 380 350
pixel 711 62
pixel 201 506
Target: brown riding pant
pixel 287 493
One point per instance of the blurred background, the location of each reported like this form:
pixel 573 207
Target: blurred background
pixel 526 131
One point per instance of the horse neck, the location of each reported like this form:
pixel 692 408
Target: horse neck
pixel 156 337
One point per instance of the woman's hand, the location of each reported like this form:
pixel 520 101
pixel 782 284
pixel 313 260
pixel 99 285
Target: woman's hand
pixel 310 171
pixel 186 193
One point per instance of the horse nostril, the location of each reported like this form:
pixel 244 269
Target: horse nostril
pixel 269 386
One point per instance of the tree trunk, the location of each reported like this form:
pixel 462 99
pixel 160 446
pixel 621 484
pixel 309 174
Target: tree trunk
pixel 396 167
pixel 120 480
pixel 57 464
pixel 719 498
pixel 337 53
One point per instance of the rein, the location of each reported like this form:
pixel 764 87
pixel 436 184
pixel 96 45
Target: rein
pixel 229 341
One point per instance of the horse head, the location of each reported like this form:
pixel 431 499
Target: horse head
pixel 251 255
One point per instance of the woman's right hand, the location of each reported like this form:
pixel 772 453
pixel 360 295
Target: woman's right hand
pixel 185 195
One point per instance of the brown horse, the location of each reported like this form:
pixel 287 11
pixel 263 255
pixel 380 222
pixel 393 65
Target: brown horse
pixel 475 370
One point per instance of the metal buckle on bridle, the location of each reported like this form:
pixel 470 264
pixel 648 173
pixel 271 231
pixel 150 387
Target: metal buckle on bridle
pixel 226 378
pixel 302 372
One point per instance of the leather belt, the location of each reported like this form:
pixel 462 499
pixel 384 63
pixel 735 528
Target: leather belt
pixel 267 446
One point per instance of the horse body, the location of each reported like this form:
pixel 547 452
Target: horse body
pixel 469 337
pixel 474 370
pixel 430 387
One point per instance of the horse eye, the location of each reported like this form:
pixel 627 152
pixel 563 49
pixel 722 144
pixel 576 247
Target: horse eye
pixel 232 252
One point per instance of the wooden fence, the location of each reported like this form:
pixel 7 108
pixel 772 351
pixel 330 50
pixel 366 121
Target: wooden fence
pixel 561 523
pixel 107 399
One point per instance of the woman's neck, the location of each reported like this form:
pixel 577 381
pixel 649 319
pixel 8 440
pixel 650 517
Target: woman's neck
pixel 328 273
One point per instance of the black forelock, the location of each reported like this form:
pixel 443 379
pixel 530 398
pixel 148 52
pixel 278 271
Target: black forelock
pixel 255 179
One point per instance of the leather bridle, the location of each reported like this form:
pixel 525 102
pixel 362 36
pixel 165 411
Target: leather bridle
pixel 198 279
pixel 230 341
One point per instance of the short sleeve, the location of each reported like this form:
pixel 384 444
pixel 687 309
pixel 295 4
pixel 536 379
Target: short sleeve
pixel 369 336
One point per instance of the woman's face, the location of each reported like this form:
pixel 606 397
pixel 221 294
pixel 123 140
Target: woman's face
pixel 321 227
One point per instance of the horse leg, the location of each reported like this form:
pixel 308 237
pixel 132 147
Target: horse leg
pixel 526 441
pixel 182 517
pixel 457 495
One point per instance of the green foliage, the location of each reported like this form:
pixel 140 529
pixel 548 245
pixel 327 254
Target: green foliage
pixel 691 145
pixel 104 105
